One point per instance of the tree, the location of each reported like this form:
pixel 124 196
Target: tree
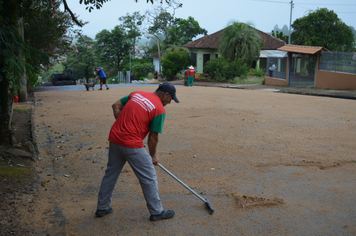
pixel 111 47
pixel 81 59
pixel 150 49
pixel 175 60
pixel 26 54
pixel 133 23
pixel 16 53
pixel 323 28
pixel 240 41
pixel 354 33
pixel 183 31
pixel 284 29
pixel 160 21
pixel 99 3
pixel 279 35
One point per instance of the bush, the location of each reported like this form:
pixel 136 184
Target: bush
pixel 258 72
pixel 221 69
pixel 174 61
pixel 215 68
pixel 141 70
pixel 112 80
pixel 125 64
pixel 150 75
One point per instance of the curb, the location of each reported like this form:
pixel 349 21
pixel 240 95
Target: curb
pixel 33 145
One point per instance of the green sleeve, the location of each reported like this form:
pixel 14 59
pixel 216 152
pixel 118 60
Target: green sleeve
pixel 124 100
pixel 157 123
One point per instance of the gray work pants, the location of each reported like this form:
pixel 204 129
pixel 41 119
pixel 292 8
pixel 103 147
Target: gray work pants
pixel 141 163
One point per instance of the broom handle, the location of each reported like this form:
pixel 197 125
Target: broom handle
pixel 181 182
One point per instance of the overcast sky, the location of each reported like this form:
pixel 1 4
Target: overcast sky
pixel 214 15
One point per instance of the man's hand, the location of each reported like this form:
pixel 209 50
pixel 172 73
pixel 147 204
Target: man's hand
pixel 152 144
pixel 155 160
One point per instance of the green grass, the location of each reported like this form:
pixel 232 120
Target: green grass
pixel 57 68
pixel 250 80
pixel 21 110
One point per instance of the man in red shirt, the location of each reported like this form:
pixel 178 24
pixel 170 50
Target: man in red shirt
pixel 191 73
pixel 137 115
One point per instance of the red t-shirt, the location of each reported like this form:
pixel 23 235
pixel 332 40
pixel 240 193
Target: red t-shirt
pixel 142 112
pixel 191 72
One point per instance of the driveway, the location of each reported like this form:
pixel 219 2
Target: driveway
pixel 269 163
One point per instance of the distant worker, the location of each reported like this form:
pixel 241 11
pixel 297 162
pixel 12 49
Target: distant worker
pixel 186 77
pixel 100 73
pixel 191 74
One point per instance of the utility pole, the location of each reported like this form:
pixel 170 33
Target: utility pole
pixel 290 21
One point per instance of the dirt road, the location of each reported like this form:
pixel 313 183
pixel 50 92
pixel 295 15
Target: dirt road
pixel 270 164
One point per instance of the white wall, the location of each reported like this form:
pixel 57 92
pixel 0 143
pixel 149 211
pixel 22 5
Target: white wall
pixel 156 64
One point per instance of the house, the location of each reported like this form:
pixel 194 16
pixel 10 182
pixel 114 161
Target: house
pixel 156 61
pixel 311 66
pixel 204 49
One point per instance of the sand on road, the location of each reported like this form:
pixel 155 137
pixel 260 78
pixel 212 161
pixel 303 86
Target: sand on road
pixel 269 163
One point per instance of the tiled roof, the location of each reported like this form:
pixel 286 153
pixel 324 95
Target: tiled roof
pixel 301 49
pixel 212 41
pixel 156 55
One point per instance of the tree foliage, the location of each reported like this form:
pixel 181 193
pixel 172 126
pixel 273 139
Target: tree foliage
pixel 49 33
pixel 284 29
pixel 81 59
pixel 160 20
pixel 240 41
pixel 45 27
pixel 279 35
pixel 97 4
pixel 175 60
pixel 111 47
pixel 323 28
pixel 133 24
pixel 183 31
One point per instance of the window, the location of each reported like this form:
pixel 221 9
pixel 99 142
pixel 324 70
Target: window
pixel 206 58
pixel 194 59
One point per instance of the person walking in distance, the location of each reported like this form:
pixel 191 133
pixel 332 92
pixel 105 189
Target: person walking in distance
pixel 186 72
pixel 100 73
pixel 191 73
pixel 137 115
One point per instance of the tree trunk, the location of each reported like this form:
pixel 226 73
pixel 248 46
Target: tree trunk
pixel 6 103
pixel 159 56
pixel 23 81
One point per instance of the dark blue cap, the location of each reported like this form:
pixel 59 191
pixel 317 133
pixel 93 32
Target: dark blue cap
pixel 169 87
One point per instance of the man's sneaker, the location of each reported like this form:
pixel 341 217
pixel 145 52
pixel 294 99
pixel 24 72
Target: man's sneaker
pixel 100 213
pixel 107 88
pixel 164 215
pixel 100 89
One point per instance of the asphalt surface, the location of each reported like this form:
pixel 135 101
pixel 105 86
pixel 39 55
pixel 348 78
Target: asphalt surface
pixel 336 93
